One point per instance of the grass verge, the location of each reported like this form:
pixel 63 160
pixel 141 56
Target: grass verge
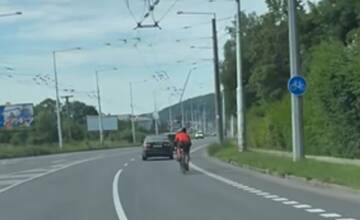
pixel 346 175
pixel 7 151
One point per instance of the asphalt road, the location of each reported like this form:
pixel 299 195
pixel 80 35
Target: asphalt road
pixel 117 184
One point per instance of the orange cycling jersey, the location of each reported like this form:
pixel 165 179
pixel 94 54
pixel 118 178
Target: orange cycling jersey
pixel 182 137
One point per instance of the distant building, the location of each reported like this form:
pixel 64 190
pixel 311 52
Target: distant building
pixel 141 121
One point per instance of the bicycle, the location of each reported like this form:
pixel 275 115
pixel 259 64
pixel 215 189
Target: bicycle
pixel 183 161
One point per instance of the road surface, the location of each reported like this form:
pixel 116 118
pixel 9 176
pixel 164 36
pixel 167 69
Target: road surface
pixel 117 184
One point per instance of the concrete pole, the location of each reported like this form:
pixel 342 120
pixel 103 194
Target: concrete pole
pixel 240 108
pixel 100 118
pixel 296 101
pixel 218 114
pixel 58 115
pixel 133 131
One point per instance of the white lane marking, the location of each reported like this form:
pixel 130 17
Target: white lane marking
pixel 58 161
pixel 116 198
pixel 345 219
pixel 36 176
pixel 15 176
pixel 290 202
pixel 294 204
pixel 262 193
pixel 39 170
pixel 302 206
pixel 271 196
pixel 126 164
pixel 315 210
pixel 280 199
pixel 132 159
pixel 330 215
pixel 8 182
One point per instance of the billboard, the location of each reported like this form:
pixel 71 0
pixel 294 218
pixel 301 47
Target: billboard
pixel 16 116
pixel 110 123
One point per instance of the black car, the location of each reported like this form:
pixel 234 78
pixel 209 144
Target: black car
pixel 157 146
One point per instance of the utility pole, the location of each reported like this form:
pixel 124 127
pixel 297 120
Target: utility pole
pixel 67 97
pixel 132 114
pixel 100 119
pixel 182 96
pixel 223 112
pixel 218 114
pixel 170 119
pixel 191 114
pixel 156 115
pixel 58 115
pixel 240 89
pixel 296 101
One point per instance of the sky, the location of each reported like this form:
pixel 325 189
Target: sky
pixel 105 32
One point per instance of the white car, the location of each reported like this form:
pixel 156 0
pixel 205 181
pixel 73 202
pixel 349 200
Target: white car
pixel 199 135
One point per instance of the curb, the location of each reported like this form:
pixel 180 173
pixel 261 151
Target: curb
pixel 312 182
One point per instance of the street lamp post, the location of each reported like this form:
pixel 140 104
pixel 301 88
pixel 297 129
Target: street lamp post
pixel 132 118
pixel 240 108
pixel 100 116
pixel 182 96
pixel 218 110
pixel 58 115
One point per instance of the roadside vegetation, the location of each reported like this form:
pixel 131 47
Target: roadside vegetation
pixel 41 137
pixel 329 35
pixel 346 175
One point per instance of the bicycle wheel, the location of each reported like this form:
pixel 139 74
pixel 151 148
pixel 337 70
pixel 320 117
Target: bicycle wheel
pixel 183 164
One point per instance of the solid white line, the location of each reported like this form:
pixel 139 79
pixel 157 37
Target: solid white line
pixel 330 215
pixel 117 204
pixel 315 210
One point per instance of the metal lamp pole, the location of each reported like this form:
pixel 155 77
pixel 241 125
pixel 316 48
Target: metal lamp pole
pixel 218 110
pixel 58 115
pixel 240 108
pixel 100 115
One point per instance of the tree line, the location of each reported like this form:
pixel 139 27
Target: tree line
pixel 43 130
pixel 329 36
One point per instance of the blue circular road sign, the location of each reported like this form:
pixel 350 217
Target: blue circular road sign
pixel 297 85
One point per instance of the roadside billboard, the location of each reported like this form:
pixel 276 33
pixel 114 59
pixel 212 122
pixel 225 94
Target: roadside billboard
pixel 110 123
pixel 16 116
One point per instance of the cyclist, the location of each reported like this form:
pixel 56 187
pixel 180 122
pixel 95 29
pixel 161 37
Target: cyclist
pixel 183 141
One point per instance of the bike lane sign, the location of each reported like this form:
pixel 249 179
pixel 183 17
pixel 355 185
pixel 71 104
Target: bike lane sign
pixel 297 85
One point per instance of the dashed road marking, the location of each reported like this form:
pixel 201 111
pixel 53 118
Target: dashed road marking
pixel 126 164
pixel 267 195
pixel 302 206
pixel 280 199
pixel 132 159
pixel 290 202
pixel 315 210
pixel 330 215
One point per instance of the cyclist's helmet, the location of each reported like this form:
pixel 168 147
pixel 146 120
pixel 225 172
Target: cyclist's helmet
pixel 183 130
